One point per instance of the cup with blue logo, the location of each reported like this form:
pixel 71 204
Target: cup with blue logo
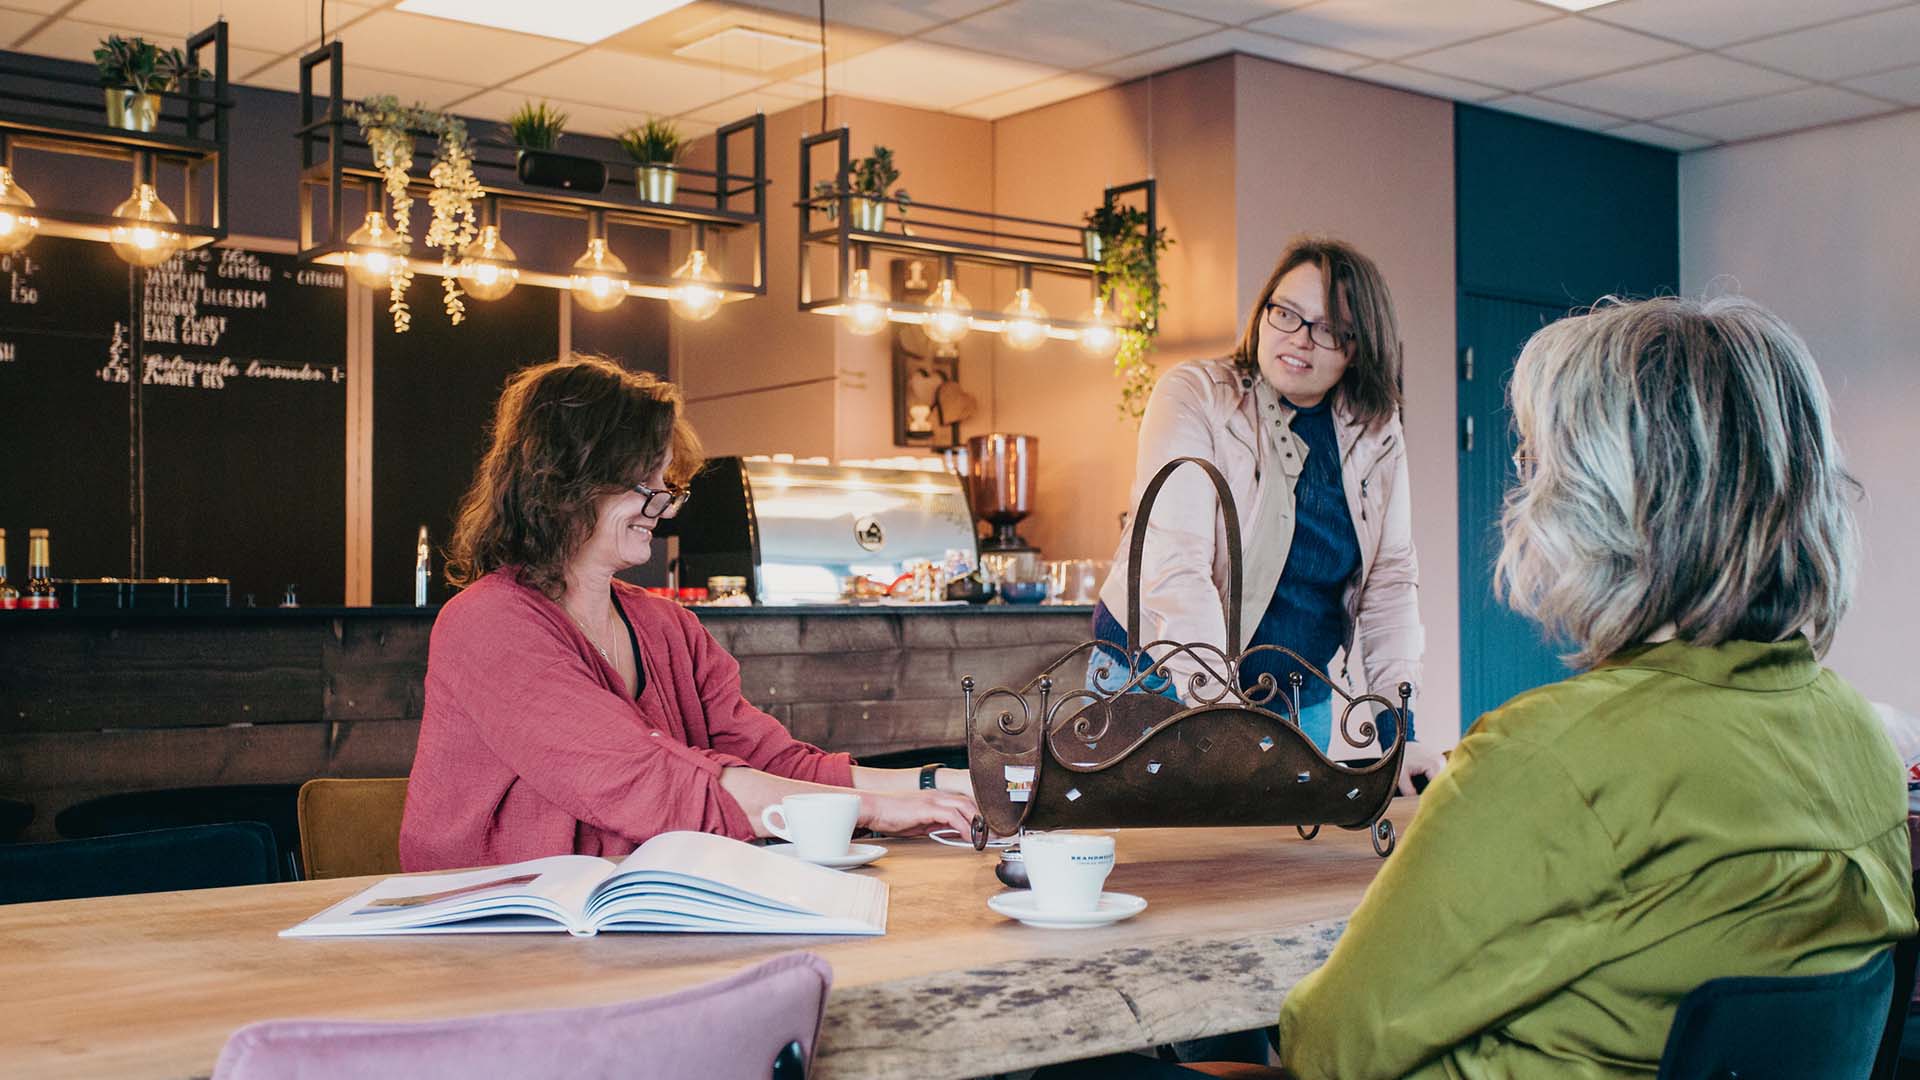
pixel 1067 869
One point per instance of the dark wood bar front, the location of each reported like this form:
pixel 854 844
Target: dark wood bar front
pixel 96 703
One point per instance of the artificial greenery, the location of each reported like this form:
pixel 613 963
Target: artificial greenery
pixel 139 65
pixel 869 177
pixel 389 128
pixel 656 142
pixel 536 127
pixel 1130 272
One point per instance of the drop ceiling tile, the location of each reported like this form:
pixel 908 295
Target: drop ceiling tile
pixel 1226 41
pixel 582 118
pixel 1033 97
pixel 443 49
pixel 893 16
pixel 42 7
pixel 1387 29
pixel 1556 52
pixel 1067 33
pixel 1772 115
pixel 362 82
pixel 277 25
pixel 924 75
pixel 1840 50
pixel 766 99
pixel 1556 113
pixel 1696 81
pixel 1710 24
pixel 1229 12
pixel 72 40
pixel 635 83
pixel 1656 135
pixel 15 23
pixel 1425 82
pixel 1901 85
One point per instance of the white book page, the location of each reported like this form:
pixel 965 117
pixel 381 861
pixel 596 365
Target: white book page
pixel 783 885
pixel 554 888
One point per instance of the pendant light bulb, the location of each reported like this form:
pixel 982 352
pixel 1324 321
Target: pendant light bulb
pixel 140 234
pixel 866 306
pixel 692 295
pixel 487 269
pixel 599 280
pixel 18 225
pixel 1102 337
pixel 374 251
pixel 951 316
pixel 1026 325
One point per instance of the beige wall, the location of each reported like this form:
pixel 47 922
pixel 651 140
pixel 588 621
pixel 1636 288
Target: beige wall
pixel 1820 227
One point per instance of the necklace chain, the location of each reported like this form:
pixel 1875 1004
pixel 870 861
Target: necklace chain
pixel 589 637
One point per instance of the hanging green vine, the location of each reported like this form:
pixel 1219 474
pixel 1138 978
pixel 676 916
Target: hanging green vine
pixel 1130 285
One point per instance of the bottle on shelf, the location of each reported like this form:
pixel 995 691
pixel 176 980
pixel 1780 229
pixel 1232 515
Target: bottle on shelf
pixel 9 596
pixel 41 594
pixel 422 569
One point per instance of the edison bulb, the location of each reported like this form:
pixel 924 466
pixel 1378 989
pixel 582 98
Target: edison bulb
pixel 140 234
pixel 1026 325
pixel 599 280
pixel 1102 337
pixel 486 266
pixel 951 316
pixel 693 295
pixel 866 306
pixel 374 251
pixel 17 223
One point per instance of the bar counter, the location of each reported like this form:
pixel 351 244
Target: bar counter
pixel 98 702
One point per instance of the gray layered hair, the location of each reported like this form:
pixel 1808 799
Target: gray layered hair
pixel 1678 468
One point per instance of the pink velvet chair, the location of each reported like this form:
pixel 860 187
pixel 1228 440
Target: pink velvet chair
pixel 757 1024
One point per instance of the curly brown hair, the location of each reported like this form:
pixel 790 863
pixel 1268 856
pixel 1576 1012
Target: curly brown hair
pixel 1357 296
pixel 565 434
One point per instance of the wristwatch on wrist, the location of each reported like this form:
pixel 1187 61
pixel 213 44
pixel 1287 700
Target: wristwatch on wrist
pixel 926 776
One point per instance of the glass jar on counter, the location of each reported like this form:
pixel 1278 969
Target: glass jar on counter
pixel 729 590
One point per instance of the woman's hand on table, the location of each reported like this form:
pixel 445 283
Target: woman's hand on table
pixel 1420 760
pixel 916 812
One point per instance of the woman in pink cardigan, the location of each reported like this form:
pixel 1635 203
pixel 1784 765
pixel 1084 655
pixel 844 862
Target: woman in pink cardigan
pixel 570 712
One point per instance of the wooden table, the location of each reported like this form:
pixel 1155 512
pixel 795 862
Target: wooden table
pixel 151 986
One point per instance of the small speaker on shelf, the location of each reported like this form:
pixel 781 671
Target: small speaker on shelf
pixel 545 168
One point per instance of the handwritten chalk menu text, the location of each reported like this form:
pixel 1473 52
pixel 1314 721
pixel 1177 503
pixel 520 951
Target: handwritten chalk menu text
pixel 244 395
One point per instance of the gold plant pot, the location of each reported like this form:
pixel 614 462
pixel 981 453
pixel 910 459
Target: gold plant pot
pixel 133 111
pixel 655 183
pixel 869 215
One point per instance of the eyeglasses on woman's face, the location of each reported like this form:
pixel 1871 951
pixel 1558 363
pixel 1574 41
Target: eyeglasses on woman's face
pixel 663 503
pixel 1324 334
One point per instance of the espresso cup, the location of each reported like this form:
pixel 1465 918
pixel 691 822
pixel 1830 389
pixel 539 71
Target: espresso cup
pixel 819 825
pixel 1067 869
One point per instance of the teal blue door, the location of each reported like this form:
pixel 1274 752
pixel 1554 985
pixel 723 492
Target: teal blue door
pixel 1501 653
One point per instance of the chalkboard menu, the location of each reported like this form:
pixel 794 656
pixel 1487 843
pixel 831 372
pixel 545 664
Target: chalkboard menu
pixel 245 402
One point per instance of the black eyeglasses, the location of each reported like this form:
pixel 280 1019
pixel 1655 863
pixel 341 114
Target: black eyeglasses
pixel 1324 334
pixel 663 503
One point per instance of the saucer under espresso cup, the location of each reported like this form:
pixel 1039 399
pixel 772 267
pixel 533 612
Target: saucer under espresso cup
pixel 1065 869
pixel 857 855
pixel 818 826
pixel 1111 907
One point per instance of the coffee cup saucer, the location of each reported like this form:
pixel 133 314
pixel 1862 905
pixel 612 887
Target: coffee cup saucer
pixel 1019 905
pixel 857 855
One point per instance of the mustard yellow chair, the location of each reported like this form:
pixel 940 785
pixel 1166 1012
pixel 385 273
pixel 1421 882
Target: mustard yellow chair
pixel 349 828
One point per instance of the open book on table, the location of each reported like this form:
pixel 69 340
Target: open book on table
pixel 677 882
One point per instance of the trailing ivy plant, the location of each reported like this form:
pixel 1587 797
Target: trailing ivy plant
pixel 139 65
pixel 1130 283
pixel 869 177
pixel 389 128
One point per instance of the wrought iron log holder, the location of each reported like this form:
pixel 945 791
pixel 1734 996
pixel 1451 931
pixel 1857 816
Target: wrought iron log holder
pixel 1043 757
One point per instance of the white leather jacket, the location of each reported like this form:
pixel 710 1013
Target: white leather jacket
pixel 1206 409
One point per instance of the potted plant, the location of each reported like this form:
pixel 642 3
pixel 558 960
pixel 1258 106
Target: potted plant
pixel 1129 258
pixel 868 181
pixel 389 129
pixel 135 72
pixel 654 147
pixel 535 130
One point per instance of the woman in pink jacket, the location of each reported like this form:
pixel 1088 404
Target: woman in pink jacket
pixel 567 712
pixel 1303 421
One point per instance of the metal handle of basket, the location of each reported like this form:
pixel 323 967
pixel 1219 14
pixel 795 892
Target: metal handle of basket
pixel 1138 547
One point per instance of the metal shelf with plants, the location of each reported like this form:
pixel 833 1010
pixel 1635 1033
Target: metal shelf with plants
pixel 846 217
pixel 369 146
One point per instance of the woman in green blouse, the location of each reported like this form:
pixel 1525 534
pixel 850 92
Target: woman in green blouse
pixel 1704 799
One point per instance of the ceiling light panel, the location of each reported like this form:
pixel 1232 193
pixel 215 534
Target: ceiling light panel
pixel 583 21
pixel 748 49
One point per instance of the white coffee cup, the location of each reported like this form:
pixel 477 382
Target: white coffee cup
pixel 1067 869
pixel 819 825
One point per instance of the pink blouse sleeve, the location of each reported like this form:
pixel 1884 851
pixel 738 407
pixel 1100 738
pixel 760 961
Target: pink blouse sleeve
pixel 539 708
pixel 737 728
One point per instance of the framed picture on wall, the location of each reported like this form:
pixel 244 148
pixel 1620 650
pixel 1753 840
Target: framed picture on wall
pixel 928 400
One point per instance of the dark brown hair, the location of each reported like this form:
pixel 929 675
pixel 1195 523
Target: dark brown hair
pixel 565 434
pixel 1358 299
